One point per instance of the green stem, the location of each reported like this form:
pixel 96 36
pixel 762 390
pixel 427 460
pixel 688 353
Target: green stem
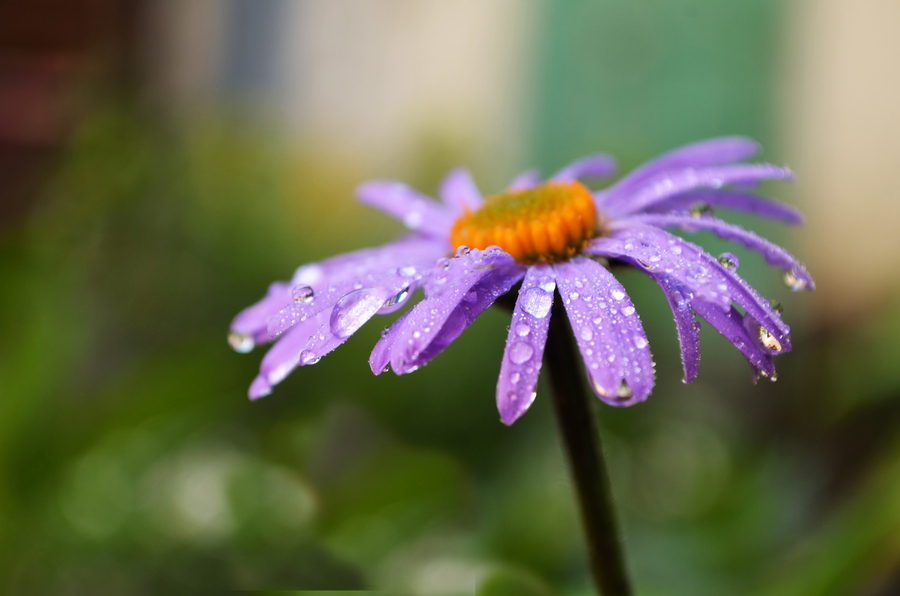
pixel 585 455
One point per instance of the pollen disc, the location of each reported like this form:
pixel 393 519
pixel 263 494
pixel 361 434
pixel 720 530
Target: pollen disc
pixel 548 222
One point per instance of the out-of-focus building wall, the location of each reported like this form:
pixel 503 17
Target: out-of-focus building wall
pixel 842 127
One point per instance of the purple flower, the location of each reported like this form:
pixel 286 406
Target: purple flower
pixel 466 251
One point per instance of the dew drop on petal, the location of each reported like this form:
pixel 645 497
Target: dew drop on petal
pixel 624 391
pixel 586 334
pixel 302 294
pixel 521 353
pixel 768 340
pixel 241 342
pixel 729 261
pixel 700 209
pixel 640 342
pixel 537 302
pixel 308 357
pixel 354 309
pixel 522 329
pixel 514 378
pixel 628 311
pixel 617 294
pixel 547 284
pixel 394 302
pixel 573 295
pixel 776 306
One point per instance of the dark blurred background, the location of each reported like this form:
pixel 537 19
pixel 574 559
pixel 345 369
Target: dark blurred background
pixel 162 161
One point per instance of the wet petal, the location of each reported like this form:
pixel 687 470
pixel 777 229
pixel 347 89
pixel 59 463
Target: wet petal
pixel 599 165
pixel 702 273
pixel 259 388
pixel 249 327
pixel 670 184
pixel 525 343
pixel 417 211
pixel 705 153
pixel 739 201
pixel 525 180
pixel 679 297
pixel 774 254
pixel 731 326
pixel 456 295
pixel 458 190
pixel 288 352
pixel 402 264
pixel 608 331
pixel 381 353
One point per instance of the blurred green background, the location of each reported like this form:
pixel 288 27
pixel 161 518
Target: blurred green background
pixel 162 162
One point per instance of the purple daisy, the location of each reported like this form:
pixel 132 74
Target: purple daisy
pixel 554 236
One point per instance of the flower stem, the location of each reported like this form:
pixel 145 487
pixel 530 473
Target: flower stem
pixel 585 454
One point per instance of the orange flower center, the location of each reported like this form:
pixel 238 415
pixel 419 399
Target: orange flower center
pixel 545 223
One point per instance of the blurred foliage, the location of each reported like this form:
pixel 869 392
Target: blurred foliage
pixel 131 461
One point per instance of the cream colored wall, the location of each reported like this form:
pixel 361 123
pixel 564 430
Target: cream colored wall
pixel 842 127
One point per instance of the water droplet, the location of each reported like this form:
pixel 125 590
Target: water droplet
pixel 617 294
pixel 536 302
pixel 587 334
pixel 463 251
pixel 776 306
pixel 302 294
pixel 522 329
pixel 521 353
pixel 394 302
pixel 579 284
pixel 354 309
pixel 547 284
pixel 628 311
pixel 640 342
pixel 407 271
pixel 308 357
pixel 241 342
pixel 573 295
pixel 793 281
pixel 699 209
pixel 514 378
pixel 768 340
pixel 729 261
pixel 624 391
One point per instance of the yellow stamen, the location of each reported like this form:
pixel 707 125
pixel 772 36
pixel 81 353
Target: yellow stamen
pixel 545 223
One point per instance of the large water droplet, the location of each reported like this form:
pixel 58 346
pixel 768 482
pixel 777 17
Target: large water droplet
pixel 354 309
pixel 729 261
pixel 536 302
pixel 617 294
pixel 241 342
pixel 547 284
pixel 587 334
pixel 624 391
pixel 522 329
pixel 521 353
pixel 768 340
pixel 302 294
pixel 700 209
pixel 308 357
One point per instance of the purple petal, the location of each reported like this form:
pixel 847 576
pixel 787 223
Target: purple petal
pixel 259 388
pixel 608 331
pixel 657 251
pixel 402 264
pixel 381 353
pixel 290 351
pixel 459 191
pixel 738 201
pixel 525 180
pixel 417 211
pixel 670 184
pixel 731 326
pixel 688 328
pixel 705 153
pixel 249 327
pixel 774 254
pixel 525 343
pixel 600 165
pixel 453 299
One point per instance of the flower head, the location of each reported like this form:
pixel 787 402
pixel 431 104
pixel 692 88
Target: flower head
pixel 552 236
